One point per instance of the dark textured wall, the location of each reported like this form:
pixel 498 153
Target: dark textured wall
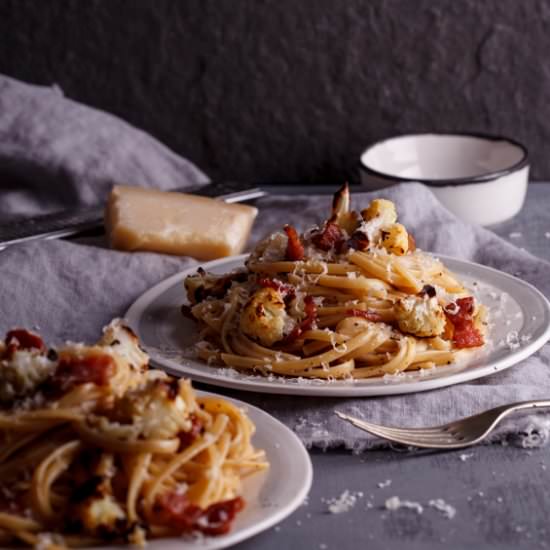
pixel 292 89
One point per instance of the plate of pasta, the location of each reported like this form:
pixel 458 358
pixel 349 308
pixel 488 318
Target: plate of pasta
pixel 348 307
pixel 98 450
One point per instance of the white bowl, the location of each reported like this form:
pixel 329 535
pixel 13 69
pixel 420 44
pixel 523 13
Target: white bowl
pixel 481 178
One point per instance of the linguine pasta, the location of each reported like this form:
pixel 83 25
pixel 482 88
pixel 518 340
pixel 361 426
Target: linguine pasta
pixel 96 447
pixel 352 298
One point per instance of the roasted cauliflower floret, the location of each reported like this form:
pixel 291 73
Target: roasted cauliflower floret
pixel 202 285
pixel 264 317
pixel 270 249
pixel 420 315
pixel 382 209
pixel 155 411
pixel 98 512
pixel 125 343
pixel 395 239
pixel 22 373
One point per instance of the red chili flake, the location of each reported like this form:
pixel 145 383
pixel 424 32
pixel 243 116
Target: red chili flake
pixel 330 237
pixel 465 334
pixel 176 511
pixel 365 314
pixel 294 248
pixel 24 339
pixel 73 371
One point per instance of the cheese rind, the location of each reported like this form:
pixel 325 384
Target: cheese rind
pixel 176 223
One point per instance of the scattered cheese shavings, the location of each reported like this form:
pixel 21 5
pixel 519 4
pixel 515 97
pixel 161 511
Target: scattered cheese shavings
pixel 547 235
pixel 512 340
pixel 395 503
pixel 345 502
pixel 465 456
pixel 515 235
pixel 384 484
pixel 446 509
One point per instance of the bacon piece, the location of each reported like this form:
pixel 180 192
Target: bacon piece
pixel 294 248
pixel 24 339
pixel 330 237
pixel 73 371
pixel 186 438
pixel 365 314
pixel 465 334
pixel 310 309
pixel 220 515
pixel 287 291
pixel 175 510
pixel 358 241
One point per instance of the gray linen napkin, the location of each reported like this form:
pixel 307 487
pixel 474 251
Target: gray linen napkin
pixel 69 290
pixel 56 153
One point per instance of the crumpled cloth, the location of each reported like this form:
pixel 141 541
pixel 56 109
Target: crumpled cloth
pixel 68 290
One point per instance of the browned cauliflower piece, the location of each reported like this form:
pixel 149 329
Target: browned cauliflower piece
pixel 381 209
pixel 264 317
pixel 420 315
pixel 395 239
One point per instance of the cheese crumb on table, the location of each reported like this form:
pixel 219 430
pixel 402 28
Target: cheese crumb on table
pixel 446 509
pixel 176 223
pixel 345 502
pixel 395 503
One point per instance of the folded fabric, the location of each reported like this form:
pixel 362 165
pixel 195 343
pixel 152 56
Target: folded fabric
pixel 56 153
pixel 70 290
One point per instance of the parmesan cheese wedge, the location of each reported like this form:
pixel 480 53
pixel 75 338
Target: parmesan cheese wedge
pixel 176 223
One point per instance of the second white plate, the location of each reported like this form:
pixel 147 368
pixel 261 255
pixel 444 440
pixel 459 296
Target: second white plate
pixel 519 317
pixel 270 496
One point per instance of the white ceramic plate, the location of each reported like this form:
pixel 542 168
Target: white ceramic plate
pixel 519 317
pixel 270 496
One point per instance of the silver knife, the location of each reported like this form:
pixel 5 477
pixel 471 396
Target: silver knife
pixel 69 223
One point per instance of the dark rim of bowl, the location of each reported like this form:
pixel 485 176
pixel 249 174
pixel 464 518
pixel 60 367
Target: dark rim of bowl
pixel 481 178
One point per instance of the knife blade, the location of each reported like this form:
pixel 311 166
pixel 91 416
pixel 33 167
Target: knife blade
pixel 69 223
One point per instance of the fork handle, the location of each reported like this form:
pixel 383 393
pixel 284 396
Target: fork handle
pixel 520 405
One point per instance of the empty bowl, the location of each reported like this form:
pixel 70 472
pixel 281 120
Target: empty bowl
pixel 481 178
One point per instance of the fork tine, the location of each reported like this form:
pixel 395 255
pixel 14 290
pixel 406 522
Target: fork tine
pixel 436 431
pixel 443 440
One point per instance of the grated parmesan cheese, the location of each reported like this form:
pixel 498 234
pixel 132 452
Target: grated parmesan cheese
pixel 446 509
pixel 344 503
pixel 395 503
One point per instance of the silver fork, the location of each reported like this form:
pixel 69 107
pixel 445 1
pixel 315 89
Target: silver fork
pixel 455 435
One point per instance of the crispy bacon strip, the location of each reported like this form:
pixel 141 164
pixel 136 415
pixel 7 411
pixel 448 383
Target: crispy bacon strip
pixel 73 371
pixel 465 334
pixel 358 241
pixel 330 237
pixel 294 248
pixel 186 438
pixel 281 287
pixel 310 309
pixel 176 511
pixel 24 339
pixel 365 314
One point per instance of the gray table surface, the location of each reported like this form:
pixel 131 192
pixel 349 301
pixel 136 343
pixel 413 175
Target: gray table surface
pixel 501 494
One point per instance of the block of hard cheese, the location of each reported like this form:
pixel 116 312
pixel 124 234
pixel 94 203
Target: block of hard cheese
pixel 176 223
